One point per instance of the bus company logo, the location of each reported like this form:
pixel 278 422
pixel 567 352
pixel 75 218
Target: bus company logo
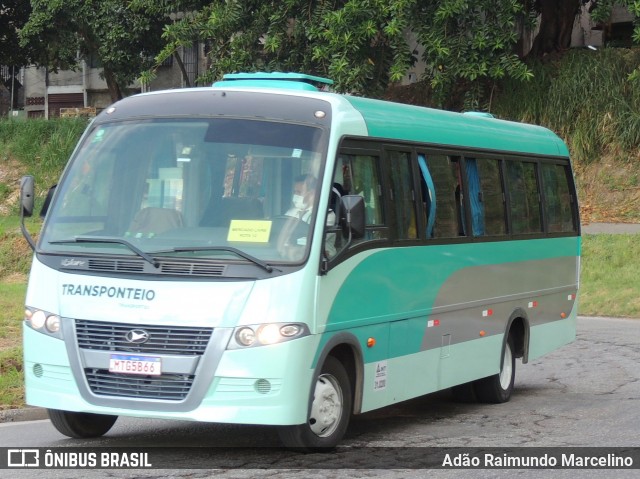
pixel 23 458
pixel 137 336
pixel 70 262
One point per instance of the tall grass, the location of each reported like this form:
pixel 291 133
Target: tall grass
pixel 41 148
pixel 585 96
pixel 11 371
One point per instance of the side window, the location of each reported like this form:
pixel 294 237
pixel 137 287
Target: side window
pixel 522 184
pixel 427 195
pixel 402 195
pixel 449 213
pixel 558 201
pixel 485 196
pixel 358 175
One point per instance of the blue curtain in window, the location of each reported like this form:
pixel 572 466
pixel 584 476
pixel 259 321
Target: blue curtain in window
pixel 431 199
pixel 475 196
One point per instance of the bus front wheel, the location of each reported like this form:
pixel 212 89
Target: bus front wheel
pixel 498 388
pixel 81 425
pixel 329 412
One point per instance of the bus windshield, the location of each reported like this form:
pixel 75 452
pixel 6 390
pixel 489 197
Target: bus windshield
pixel 204 188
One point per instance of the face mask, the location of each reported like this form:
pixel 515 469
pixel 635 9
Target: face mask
pixel 298 201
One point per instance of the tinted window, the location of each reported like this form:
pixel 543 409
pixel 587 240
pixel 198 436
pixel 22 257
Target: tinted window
pixel 358 175
pixel 404 208
pixel 445 175
pixel 523 196
pixel 485 196
pixel 558 201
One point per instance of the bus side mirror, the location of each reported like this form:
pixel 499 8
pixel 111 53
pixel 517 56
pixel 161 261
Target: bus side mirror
pixel 352 216
pixel 26 195
pixel 26 206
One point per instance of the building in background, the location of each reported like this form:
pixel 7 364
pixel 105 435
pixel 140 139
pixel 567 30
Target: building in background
pixel 11 91
pixel 46 93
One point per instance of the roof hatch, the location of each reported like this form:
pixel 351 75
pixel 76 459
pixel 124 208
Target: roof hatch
pixel 290 81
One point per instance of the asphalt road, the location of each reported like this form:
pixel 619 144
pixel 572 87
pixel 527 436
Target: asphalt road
pixel 586 394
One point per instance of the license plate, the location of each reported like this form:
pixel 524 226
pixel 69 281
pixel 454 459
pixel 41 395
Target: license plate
pixel 129 364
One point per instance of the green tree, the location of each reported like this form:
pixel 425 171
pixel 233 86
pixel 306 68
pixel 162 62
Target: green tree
pixel 122 39
pixel 13 16
pixel 363 45
pixel 182 15
pixel 467 46
pixel 359 43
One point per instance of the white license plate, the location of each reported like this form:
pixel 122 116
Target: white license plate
pixel 129 364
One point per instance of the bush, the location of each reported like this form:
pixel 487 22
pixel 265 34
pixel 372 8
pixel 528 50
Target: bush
pixel 586 97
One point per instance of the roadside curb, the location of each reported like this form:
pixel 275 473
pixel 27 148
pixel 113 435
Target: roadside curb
pixel 611 228
pixel 25 414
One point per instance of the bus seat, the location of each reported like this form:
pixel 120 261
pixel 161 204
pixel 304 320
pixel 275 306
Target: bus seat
pixel 152 221
pixel 221 212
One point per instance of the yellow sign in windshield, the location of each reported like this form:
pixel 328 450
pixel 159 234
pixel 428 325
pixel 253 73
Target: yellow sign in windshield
pixel 253 231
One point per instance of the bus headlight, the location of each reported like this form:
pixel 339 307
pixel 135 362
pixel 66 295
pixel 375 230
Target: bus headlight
pixel 38 319
pixel 245 336
pixel 265 334
pixel 52 323
pixel 269 334
pixel 43 322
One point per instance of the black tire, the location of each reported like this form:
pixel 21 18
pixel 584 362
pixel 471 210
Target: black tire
pixel 81 425
pixel 497 389
pixel 329 411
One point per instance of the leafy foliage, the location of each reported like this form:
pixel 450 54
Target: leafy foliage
pixel 359 43
pixel 363 45
pixel 467 46
pixel 470 44
pixel 125 41
pixel 13 16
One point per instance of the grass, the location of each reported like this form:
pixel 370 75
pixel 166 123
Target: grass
pixel 11 373
pixel 15 258
pixel 11 378
pixel 15 254
pixel 37 147
pixel 609 280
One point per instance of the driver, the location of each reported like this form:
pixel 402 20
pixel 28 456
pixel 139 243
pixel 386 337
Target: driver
pixel 304 191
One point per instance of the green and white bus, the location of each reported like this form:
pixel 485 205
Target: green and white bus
pixel 264 251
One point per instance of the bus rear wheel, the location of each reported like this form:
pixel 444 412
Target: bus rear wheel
pixel 81 425
pixel 329 411
pixel 498 388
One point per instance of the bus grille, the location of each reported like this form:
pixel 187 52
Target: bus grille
pixel 172 387
pixel 178 340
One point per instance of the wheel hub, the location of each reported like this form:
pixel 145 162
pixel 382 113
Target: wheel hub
pixel 326 409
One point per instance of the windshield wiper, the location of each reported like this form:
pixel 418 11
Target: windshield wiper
pixel 91 239
pixel 189 249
